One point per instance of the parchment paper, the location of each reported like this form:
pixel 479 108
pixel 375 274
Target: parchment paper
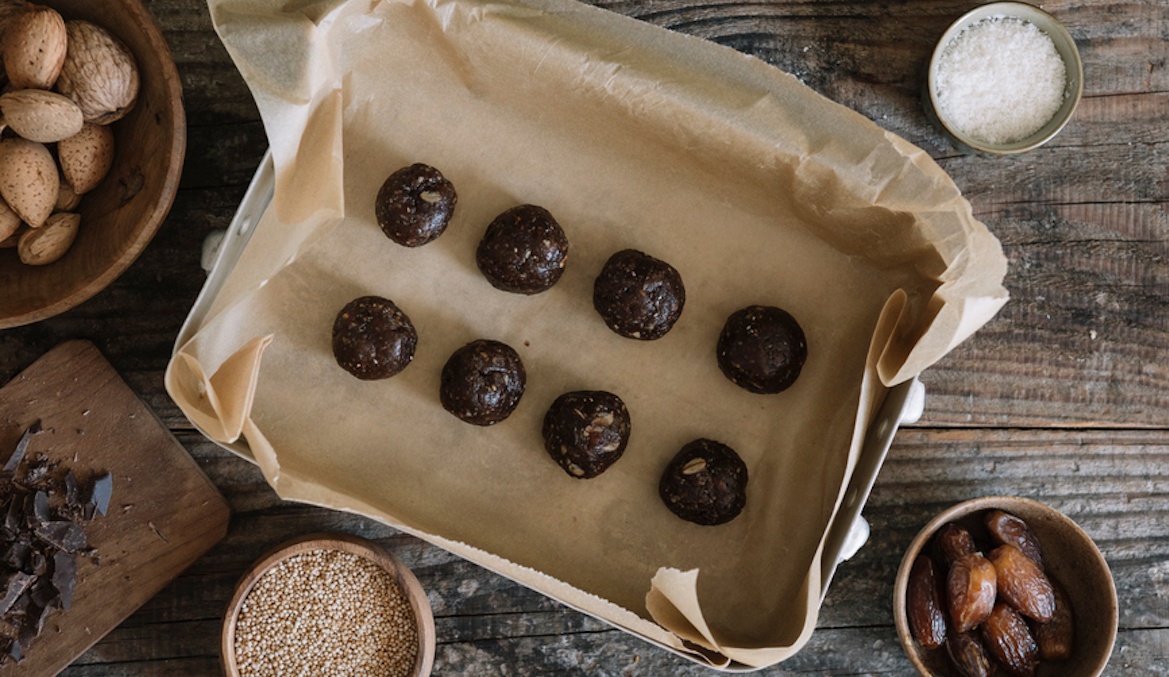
pixel 755 188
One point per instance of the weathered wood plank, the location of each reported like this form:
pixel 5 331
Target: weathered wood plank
pixel 1114 484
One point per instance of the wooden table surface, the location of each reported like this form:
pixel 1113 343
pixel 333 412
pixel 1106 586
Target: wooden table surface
pixel 1064 397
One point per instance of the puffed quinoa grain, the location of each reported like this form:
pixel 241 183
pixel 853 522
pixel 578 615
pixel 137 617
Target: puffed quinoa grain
pixel 325 612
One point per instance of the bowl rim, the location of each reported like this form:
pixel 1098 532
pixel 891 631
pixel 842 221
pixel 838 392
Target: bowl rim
pixel 86 288
pixel 405 578
pixel 1060 37
pixel 901 582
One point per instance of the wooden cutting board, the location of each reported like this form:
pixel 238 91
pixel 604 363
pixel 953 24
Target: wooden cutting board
pixel 164 512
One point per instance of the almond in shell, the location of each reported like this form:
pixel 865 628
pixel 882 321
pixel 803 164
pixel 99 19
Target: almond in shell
pixel 86 157
pixel 67 198
pixel 99 73
pixel 34 45
pixel 40 115
pixel 28 179
pixel 9 221
pixel 44 245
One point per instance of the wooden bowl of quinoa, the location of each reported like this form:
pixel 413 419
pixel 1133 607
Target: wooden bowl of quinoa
pixel 1004 78
pixel 328 604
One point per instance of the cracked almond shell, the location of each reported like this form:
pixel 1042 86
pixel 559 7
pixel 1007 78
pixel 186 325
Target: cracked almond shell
pixel 99 73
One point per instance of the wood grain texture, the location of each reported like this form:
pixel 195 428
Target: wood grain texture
pixel 1064 397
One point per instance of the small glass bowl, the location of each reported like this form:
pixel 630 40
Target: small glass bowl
pixel 1064 45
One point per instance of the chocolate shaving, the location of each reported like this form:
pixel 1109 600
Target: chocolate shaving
pixel 43 509
pixel 99 495
pixel 16 586
pixel 62 535
pixel 17 456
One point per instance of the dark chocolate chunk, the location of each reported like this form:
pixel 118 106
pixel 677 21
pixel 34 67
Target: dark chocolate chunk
pixel 638 296
pixel 482 382
pixel 65 577
pixel 415 204
pixel 586 431
pixel 524 250
pixel 15 586
pixel 762 349
pixel 705 483
pixel 373 339
pixel 40 508
pixel 15 555
pixel 63 535
pixel 42 534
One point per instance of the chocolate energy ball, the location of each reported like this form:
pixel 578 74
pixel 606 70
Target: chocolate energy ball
pixel 705 483
pixel 762 349
pixel 638 296
pixel 482 382
pixel 415 205
pixel 524 250
pixel 373 339
pixel 586 431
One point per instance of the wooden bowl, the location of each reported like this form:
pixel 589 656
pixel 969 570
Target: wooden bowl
pixel 1071 559
pixel 423 617
pixel 120 216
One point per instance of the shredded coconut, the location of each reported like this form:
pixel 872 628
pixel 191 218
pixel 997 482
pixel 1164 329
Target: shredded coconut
pixel 1000 80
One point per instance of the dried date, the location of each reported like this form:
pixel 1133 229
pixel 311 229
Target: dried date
pixel 1009 641
pixel 952 542
pixel 1022 584
pixel 1006 529
pixel 968 654
pixel 923 602
pixel 970 591
pixel 1056 637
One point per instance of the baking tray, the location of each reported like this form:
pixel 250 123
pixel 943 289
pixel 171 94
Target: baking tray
pixel 903 403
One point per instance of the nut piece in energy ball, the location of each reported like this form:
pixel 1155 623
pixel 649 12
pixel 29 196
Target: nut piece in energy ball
pixel 1005 529
pixel 482 382
pixel 373 339
pixel 970 590
pixel 523 251
pixel 923 602
pixel 586 431
pixel 1022 584
pixel 762 349
pixel 705 483
pixel 415 204
pixel 638 296
pixel 1009 641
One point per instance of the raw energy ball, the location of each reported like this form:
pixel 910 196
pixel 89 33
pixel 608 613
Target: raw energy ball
pixel 762 349
pixel 373 339
pixel 482 382
pixel 415 204
pixel 586 431
pixel 638 296
pixel 705 483
pixel 523 251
